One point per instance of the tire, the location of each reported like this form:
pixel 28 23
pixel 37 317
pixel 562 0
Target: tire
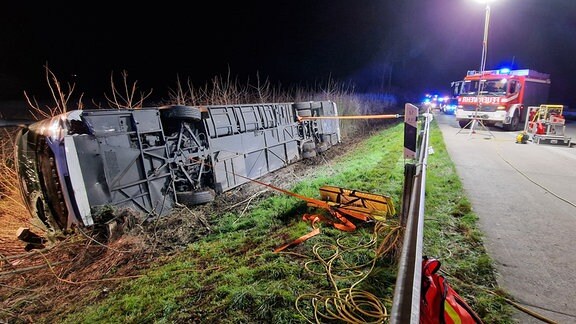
pixel 308 154
pixel 191 198
pixel 304 113
pixel 326 138
pixel 181 112
pixel 315 104
pixel 514 123
pixel 322 147
pixel 307 105
pixel 308 147
pixel 302 105
pixel 464 123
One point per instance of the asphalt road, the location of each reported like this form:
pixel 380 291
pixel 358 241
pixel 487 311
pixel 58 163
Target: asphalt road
pixel 525 198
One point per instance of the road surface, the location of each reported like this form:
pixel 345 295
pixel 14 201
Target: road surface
pixel 525 198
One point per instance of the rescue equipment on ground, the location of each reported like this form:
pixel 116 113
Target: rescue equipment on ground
pixel 344 206
pixel 522 138
pixel 439 302
pixel 546 124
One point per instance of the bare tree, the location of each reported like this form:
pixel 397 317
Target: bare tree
pixel 60 96
pixel 186 95
pixel 263 90
pixel 128 96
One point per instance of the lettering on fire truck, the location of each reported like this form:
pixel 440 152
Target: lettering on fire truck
pixel 482 100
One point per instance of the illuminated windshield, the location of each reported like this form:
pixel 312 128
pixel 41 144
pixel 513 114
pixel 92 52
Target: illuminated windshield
pixel 488 87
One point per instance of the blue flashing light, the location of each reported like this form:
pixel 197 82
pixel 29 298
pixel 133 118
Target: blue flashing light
pixel 504 71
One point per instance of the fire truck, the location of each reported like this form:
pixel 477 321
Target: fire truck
pixel 500 97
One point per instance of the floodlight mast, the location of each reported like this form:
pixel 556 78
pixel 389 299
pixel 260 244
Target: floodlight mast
pixel 485 39
pixel 476 119
pixel 484 50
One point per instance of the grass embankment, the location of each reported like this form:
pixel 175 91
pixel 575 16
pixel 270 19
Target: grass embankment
pixel 234 275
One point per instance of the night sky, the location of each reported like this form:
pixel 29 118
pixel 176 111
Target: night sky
pixel 412 46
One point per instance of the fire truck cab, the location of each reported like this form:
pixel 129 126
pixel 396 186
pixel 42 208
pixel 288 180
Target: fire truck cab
pixel 500 97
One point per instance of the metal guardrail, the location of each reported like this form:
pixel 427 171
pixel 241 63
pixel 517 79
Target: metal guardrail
pixel 406 302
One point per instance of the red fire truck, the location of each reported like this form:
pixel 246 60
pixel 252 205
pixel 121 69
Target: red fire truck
pixel 500 97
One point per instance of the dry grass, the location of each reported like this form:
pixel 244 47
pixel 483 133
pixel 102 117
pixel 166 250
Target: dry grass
pixel 13 213
pixel 46 283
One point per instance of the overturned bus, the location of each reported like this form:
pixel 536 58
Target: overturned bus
pixel 73 165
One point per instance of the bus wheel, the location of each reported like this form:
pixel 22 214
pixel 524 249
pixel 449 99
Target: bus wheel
pixel 191 198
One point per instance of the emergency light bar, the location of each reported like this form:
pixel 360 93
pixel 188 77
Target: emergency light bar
pixel 523 72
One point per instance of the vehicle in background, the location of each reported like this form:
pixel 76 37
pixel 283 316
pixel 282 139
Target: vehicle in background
pixel 450 106
pixel 434 102
pixel 73 166
pixel 500 97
